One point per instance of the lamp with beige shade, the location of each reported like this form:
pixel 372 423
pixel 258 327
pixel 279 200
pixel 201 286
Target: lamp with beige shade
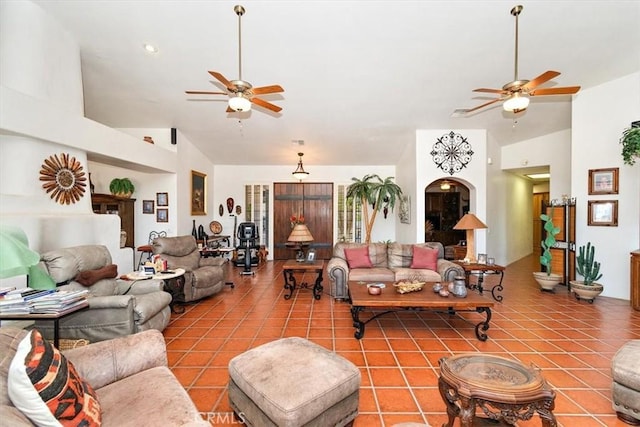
pixel 299 236
pixel 470 222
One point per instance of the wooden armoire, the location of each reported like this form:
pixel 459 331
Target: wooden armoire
pixel 313 200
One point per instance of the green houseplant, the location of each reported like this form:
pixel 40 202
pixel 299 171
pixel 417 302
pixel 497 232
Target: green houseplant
pixel 380 194
pixel 589 269
pixel 121 187
pixel 630 141
pixel 547 280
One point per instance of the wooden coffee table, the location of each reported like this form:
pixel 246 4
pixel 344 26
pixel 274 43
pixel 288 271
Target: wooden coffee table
pixel 504 389
pixel 426 299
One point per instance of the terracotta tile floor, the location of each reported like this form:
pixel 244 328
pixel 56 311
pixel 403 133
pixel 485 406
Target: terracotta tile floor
pixel 571 341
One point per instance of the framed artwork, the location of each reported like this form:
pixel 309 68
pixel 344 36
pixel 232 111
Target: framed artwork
pixel 162 199
pixel 311 255
pixel 405 210
pixel 147 206
pixel 162 215
pixel 198 193
pixel 603 213
pixel 603 181
pixel 482 258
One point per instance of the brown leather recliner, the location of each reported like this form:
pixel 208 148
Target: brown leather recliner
pixel 203 276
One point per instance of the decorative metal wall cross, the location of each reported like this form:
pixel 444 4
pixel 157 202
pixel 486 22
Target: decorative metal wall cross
pixel 451 152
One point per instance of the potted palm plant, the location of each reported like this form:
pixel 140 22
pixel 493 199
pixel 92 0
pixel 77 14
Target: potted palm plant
pixel 589 269
pixel 121 187
pixel 546 279
pixel 372 190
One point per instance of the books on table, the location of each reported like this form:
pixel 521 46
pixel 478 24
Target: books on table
pixel 27 301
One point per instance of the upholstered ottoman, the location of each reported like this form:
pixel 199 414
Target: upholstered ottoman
pixel 293 382
pixel 625 370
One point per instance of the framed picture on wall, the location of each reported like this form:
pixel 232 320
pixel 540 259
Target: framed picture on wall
pixel 603 213
pixel 162 199
pixel 162 215
pixel 198 193
pixel 147 206
pixel 603 181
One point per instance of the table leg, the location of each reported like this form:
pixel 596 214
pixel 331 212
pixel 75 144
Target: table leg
pixel 357 323
pixel 317 288
pixel 480 281
pixel 175 286
pixel 498 287
pixel 449 396
pixel 483 327
pixel 289 283
pixel 546 412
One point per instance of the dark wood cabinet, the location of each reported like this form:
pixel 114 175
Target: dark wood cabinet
pixel 109 204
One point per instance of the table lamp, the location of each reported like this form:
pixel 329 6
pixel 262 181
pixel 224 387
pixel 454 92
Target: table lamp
pixel 470 222
pixel 16 259
pixel 300 235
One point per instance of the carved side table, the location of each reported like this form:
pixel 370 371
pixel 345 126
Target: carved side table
pixel 503 389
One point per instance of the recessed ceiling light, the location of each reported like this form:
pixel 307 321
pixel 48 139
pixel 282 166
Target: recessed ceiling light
pixel 539 176
pixel 150 48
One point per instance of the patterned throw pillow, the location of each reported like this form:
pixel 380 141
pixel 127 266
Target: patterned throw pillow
pixel 46 387
pixel 425 258
pixel 358 257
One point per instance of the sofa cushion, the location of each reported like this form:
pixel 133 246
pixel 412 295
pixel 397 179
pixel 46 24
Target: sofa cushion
pixel 424 258
pixel 90 277
pixel 358 257
pixel 421 274
pixel 371 275
pixel 377 252
pixel 401 254
pixel 45 386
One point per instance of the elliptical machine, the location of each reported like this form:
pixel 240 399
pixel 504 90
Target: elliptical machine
pixel 249 243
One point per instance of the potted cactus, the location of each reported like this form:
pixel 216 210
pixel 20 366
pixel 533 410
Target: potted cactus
pixel 546 279
pixel 589 269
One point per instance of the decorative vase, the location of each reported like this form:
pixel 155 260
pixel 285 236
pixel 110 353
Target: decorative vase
pixel 194 231
pixel 586 292
pixel 123 238
pixel 459 287
pixel 546 281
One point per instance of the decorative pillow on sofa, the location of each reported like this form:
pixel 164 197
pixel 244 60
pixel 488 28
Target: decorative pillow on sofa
pixel 425 258
pixel 46 387
pixel 89 277
pixel 358 257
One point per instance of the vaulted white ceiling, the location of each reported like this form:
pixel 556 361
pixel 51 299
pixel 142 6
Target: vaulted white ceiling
pixel 359 77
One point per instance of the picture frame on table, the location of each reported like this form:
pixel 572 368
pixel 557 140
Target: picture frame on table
pixel 198 193
pixel 162 215
pixel 311 255
pixel 603 181
pixel 482 258
pixel 602 213
pixel 162 199
pixel 147 206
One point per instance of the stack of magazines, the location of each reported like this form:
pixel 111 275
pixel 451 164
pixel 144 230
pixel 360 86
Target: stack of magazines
pixel 26 300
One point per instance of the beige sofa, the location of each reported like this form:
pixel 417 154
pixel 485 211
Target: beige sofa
pixel 391 262
pixel 133 384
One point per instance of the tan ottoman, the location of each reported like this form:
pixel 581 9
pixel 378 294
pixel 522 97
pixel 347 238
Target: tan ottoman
pixel 293 382
pixel 625 370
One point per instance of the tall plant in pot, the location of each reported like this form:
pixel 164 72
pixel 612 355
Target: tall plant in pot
pixel 589 269
pixel 547 280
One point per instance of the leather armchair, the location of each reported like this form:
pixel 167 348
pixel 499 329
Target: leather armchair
pixel 203 276
pixel 116 308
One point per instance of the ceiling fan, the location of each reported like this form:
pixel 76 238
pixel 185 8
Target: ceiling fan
pixel 241 93
pixel 516 94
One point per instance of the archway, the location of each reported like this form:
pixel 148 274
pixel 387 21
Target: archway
pixel 446 200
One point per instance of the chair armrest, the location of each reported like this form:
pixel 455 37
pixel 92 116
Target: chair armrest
pixel 213 262
pixel 449 270
pixel 338 271
pixel 105 362
pixel 111 301
pixel 137 287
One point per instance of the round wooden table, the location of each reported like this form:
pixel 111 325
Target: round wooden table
pixel 504 389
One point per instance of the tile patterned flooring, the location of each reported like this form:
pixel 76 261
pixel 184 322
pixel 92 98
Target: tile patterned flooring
pixel 571 341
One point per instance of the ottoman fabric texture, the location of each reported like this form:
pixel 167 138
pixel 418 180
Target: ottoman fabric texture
pixel 294 382
pixel 625 371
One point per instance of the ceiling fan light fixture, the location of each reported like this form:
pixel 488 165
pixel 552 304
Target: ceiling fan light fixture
pixel 239 103
pixel 300 173
pixel 516 102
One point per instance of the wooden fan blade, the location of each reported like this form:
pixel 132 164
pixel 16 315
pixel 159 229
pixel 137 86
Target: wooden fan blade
pixel 267 89
pixel 203 92
pixel 542 78
pixel 567 90
pixel 482 105
pixel 222 79
pixel 265 104
pixel 230 110
pixel 483 89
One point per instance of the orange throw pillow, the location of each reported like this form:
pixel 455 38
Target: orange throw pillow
pixel 89 277
pixel 425 258
pixel 358 257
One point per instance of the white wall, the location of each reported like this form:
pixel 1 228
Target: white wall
pixel 405 178
pixel 474 176
pixel 599 116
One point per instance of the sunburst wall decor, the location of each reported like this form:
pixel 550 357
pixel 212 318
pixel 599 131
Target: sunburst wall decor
pixel 451 152
pixel 64 178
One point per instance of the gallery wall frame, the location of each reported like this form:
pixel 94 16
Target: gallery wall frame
pixel 602 213
pixel 162 215
pixel 603 181
pixel 198 193
pixel 147 206
pixel 162 199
